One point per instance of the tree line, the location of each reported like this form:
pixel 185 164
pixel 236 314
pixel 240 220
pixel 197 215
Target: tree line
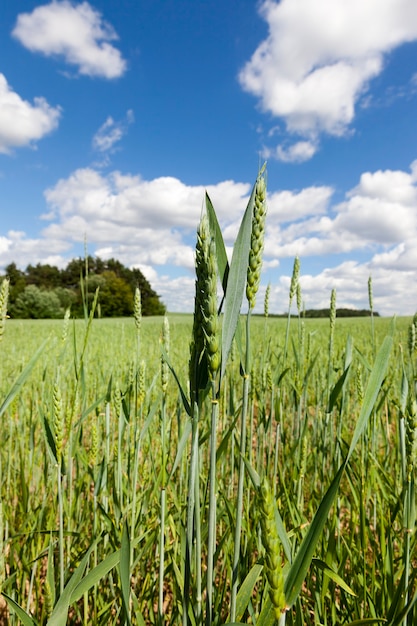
pixel 325 313
pixel 342 312
pixel 45 291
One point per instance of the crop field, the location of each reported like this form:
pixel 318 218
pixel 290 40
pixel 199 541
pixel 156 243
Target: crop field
pixel 95 402
pixel 209 469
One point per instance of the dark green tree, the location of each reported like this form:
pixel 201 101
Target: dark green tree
pixel 46 276
pixel 36 303
pixel 17 281
pixel 66 297
pixel 115 296
pixel 117 285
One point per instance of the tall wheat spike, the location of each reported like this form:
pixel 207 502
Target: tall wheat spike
pixel 4 295
pixel 257 242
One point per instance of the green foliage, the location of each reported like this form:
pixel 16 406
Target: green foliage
pixel 36 303
pixel 340 313
pixel 96 504
pixel 17 280
pixel 44 291
pixel 115 296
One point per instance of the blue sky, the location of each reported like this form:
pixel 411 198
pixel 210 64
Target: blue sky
pixel 116 116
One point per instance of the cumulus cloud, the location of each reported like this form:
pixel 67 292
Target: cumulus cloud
pixel 296 153
pixel 290 206
pixel 319 57
pixel 151 224
pixel 402 257
pixel 15 246
pixel 376 225
pixel 22 123
pixel 377 216
pixel 76 32
pixel 350 280
pixel 143 223
pixel 128 200
pixel 382 207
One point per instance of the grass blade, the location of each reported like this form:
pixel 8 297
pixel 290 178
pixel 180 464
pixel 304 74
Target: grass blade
pixel 60 613
pixel 125 570
pixel 267 616
pixel 334 576
pixel 337 390
pixel 181 447
pixel 181 390
pixel 16 387
pixel 95 575
pixel 374 385
pixel 24 617
pixel 236 282
pixel 368 620
pixel 246 590
pixel 222 261
pixel 302 561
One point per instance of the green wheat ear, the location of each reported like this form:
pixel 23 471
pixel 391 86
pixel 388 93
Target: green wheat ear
pixel 295 279
pixel 411 438
pixel 141 382
pixel 370 294
pixel 205 344
pixel 4 295
pixel 412 338
pixel 165 341
pixel 58 420
pixel 257 242
pixel 137 309
pixel 65 325
pixel 266 300
pixel 211 326
pixel 332 311
pixel 272 546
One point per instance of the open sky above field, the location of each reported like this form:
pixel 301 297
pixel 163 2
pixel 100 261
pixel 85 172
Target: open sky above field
pixel 116 115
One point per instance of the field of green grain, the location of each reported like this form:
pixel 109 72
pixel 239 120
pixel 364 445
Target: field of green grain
pixel 209 469
pixel 92 439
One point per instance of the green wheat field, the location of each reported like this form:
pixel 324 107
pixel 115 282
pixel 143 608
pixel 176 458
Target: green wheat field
pixel 209 469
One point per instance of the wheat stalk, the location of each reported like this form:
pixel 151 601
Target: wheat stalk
pixel 4 295
pixel 252 283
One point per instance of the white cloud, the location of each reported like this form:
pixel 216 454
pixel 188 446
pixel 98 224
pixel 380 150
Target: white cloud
pixel 178 292
pixel 110 133
pixel 401 258
pixel 290 206
pixel 15 246
pixel 376 223
pixel 382 207
pixel 107 135
pixel 378 216
pixel 319 57
pixel 127 200
pixel 146 224
pixel 296 153
pixel 75 31
pixel 5 244
pixel 350 280
pixel 22 123
pixel 151 224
